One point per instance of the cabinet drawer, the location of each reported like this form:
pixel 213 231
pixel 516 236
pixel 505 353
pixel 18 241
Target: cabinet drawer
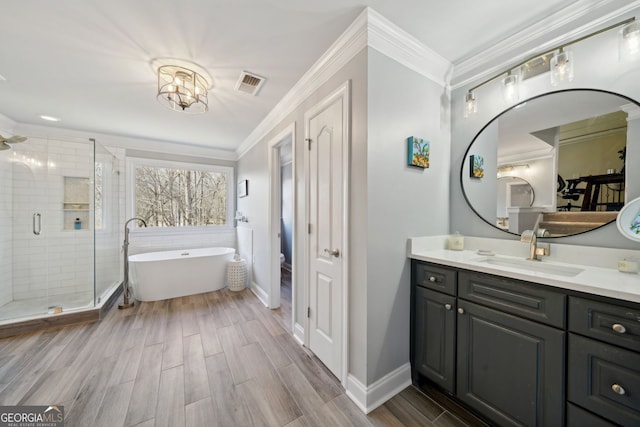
pixel 512 296
pixel 578 417
pixel 607 322
pixel 605 379
pixel 433 277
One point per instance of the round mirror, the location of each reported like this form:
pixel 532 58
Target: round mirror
pixel 555 161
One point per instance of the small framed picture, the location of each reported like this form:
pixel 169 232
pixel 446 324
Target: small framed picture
pixel 476 166
pixel 418 152
pixel 243 188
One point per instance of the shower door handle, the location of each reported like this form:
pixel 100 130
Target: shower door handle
pixel 37 224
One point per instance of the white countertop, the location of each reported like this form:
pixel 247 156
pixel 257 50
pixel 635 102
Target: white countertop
pixel 599 275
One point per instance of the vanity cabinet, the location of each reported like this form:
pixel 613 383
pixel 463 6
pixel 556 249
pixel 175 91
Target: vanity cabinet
pixel 522 354
pixel 493 343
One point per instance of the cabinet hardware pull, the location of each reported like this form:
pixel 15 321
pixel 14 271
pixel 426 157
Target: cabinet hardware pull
pixel 619 328
pixel 617 388
pixel 461 310
pixel 447 306
pixel 432 278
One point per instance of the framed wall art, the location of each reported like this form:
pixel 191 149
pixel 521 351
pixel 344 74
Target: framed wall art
pixel 418 152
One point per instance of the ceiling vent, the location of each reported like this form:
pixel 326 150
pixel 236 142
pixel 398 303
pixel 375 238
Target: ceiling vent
pixel 249 83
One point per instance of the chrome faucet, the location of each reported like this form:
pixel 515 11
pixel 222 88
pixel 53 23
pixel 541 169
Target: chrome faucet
pixel 126 291
pixel 531 237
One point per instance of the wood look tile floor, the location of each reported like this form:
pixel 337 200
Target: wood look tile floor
pixel 214 359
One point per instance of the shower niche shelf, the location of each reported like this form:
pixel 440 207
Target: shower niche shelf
pixel 76 203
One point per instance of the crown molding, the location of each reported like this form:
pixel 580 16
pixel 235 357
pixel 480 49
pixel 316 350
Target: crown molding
pixel 369 29
pixel 490 61
pixel 392 41
pixel 142 144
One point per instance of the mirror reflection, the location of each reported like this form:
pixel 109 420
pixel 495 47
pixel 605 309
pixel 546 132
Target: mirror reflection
pixel 556 161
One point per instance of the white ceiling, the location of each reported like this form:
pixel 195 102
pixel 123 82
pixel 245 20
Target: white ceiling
pixel 88 62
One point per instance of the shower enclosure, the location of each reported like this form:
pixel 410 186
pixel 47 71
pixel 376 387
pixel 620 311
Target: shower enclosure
pixel 59 201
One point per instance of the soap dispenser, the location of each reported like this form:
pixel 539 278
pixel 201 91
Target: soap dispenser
pixel 456 242
pixel 77 224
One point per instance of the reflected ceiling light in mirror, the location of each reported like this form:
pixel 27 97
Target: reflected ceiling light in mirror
pixel 470 104
pixel 510 88
pixel 561 67
pixel 629 41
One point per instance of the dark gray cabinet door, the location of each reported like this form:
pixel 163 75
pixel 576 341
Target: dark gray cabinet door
pixel 510 369
pixel 434 336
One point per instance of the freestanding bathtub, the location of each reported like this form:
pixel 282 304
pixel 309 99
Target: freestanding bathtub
pixel 170 274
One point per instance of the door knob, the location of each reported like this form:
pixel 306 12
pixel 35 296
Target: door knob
pixel 335 252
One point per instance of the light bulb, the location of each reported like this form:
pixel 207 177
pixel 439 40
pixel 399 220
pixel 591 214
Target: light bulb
pixel 561 67
pixel 470 104
pixel 629 42
pixel 510 90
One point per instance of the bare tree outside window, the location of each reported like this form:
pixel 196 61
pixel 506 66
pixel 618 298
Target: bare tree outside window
pixel 167 197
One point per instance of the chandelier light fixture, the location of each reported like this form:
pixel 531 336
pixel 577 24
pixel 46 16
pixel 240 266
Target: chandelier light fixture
pixel 182 86
pixel 560 65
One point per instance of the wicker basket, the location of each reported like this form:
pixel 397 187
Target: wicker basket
pixel 237 275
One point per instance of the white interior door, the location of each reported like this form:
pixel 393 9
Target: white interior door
pixel 326 138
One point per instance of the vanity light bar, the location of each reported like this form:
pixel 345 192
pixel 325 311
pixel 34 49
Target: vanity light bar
pixel 470 97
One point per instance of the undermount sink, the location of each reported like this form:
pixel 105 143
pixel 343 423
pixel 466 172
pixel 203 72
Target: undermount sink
pixel 535 266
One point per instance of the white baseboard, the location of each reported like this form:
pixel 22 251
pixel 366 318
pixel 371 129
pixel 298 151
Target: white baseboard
pixel 368 398
pixel 298 333
pixel 260 293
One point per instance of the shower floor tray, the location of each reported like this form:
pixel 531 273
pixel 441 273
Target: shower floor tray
pixel 45 305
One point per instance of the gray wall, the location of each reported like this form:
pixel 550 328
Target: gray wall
pixel 403 201
pixel 596 66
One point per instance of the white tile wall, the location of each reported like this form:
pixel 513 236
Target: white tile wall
pixel 57 261
pixel 6 248
pixel 139 242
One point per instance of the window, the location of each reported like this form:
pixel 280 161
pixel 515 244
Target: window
pixel 172 194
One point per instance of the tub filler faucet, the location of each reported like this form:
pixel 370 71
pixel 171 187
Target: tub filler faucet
pixel 126 290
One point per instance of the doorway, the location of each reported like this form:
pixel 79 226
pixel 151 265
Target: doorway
pixel 282 225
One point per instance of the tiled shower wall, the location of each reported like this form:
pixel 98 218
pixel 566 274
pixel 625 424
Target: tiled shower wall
pixel 6 247
pixel 57 261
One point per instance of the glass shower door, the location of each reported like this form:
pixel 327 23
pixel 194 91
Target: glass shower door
pixel 30 201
